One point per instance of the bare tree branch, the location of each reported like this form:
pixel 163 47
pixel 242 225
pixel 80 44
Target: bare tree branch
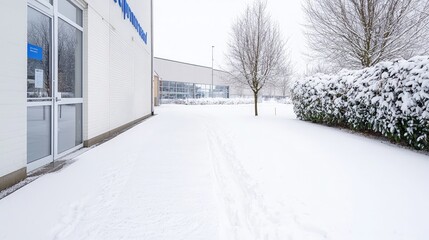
pixel 361 33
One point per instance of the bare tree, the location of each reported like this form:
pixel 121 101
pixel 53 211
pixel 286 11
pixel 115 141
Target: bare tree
pixel 279 85
pixel 361 33
pixel 256 49
pixel 283 80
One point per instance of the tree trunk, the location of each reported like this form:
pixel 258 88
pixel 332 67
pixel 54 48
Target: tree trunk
pixel 255 94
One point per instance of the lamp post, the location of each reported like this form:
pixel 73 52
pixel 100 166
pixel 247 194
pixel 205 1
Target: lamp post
pixel 212 72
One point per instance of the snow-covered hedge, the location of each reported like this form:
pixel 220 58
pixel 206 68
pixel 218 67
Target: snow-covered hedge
pixel 222 101
pixel 208 101
pixel 391 98
pixel 283 100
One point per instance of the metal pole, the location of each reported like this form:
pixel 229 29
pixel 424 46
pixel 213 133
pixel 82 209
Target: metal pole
pixel 212 70
pixel 151 60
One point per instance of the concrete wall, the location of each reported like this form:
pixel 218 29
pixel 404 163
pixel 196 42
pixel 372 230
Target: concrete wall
pixel 118 77
pixel 13 89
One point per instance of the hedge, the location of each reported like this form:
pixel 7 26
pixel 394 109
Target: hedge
pixel 390 98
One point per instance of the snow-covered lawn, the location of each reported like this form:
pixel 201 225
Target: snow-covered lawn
pixel 217 172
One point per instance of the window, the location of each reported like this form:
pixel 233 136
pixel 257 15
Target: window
pixel 70 11
pixel 69 60
pixel 181 90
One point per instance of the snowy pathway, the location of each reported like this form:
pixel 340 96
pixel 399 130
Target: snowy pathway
pixel 216 172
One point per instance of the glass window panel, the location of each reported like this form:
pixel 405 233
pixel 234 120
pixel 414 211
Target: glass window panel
pixel 69 126
pixel 181 90
pixel 69 61
pixel 47 1
pixel 39 67
pixel 38 132
pixel 69 10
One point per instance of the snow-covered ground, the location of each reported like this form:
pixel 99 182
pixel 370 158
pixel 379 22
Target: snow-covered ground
pixel 217 172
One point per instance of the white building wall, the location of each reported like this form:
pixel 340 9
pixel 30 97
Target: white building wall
pixel 13 87
pixel 118 89
pixel 169 70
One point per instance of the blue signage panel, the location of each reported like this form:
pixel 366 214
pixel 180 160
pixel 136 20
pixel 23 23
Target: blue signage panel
pixel 34 52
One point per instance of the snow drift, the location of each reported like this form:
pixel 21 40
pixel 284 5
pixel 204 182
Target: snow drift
pixel 390 98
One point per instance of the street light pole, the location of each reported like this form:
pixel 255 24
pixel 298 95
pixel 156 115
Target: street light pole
pixel 212 71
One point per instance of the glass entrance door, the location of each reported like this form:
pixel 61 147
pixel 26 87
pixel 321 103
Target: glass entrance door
pixel 54 80
pixel 39 87
pixel 69 97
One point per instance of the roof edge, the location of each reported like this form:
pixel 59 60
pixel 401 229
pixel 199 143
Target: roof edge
pixel 191 64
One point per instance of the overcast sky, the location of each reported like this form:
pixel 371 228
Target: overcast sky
pixel 185 30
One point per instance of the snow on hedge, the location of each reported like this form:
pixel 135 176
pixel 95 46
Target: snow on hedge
pixel 219 101
pixel 283 100
pixel 391 98
pixel 209 101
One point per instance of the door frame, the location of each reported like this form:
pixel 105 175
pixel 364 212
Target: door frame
pixel 54 102
pixel 46 10
pixel 57 100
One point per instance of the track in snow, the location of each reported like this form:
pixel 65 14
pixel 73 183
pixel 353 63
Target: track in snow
pixel 245 214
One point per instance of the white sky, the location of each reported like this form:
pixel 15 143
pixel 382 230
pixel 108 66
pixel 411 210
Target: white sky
pixel 185 30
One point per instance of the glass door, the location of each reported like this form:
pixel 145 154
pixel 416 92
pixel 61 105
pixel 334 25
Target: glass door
pixel 39 87
pixel 69 97
pixel 54 80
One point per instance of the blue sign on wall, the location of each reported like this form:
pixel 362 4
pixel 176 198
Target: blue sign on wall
pixel 34 52
pixel 128 13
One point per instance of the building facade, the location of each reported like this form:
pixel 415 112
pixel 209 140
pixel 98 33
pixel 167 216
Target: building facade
pixel 72 73
pixel 179 80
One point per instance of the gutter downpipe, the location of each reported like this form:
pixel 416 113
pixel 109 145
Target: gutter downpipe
pixel 151 57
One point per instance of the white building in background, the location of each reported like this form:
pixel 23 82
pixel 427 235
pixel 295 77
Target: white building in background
pixel 179 80
pixel 72 73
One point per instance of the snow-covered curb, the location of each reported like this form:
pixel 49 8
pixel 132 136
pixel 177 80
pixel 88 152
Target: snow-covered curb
pixel 391 98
